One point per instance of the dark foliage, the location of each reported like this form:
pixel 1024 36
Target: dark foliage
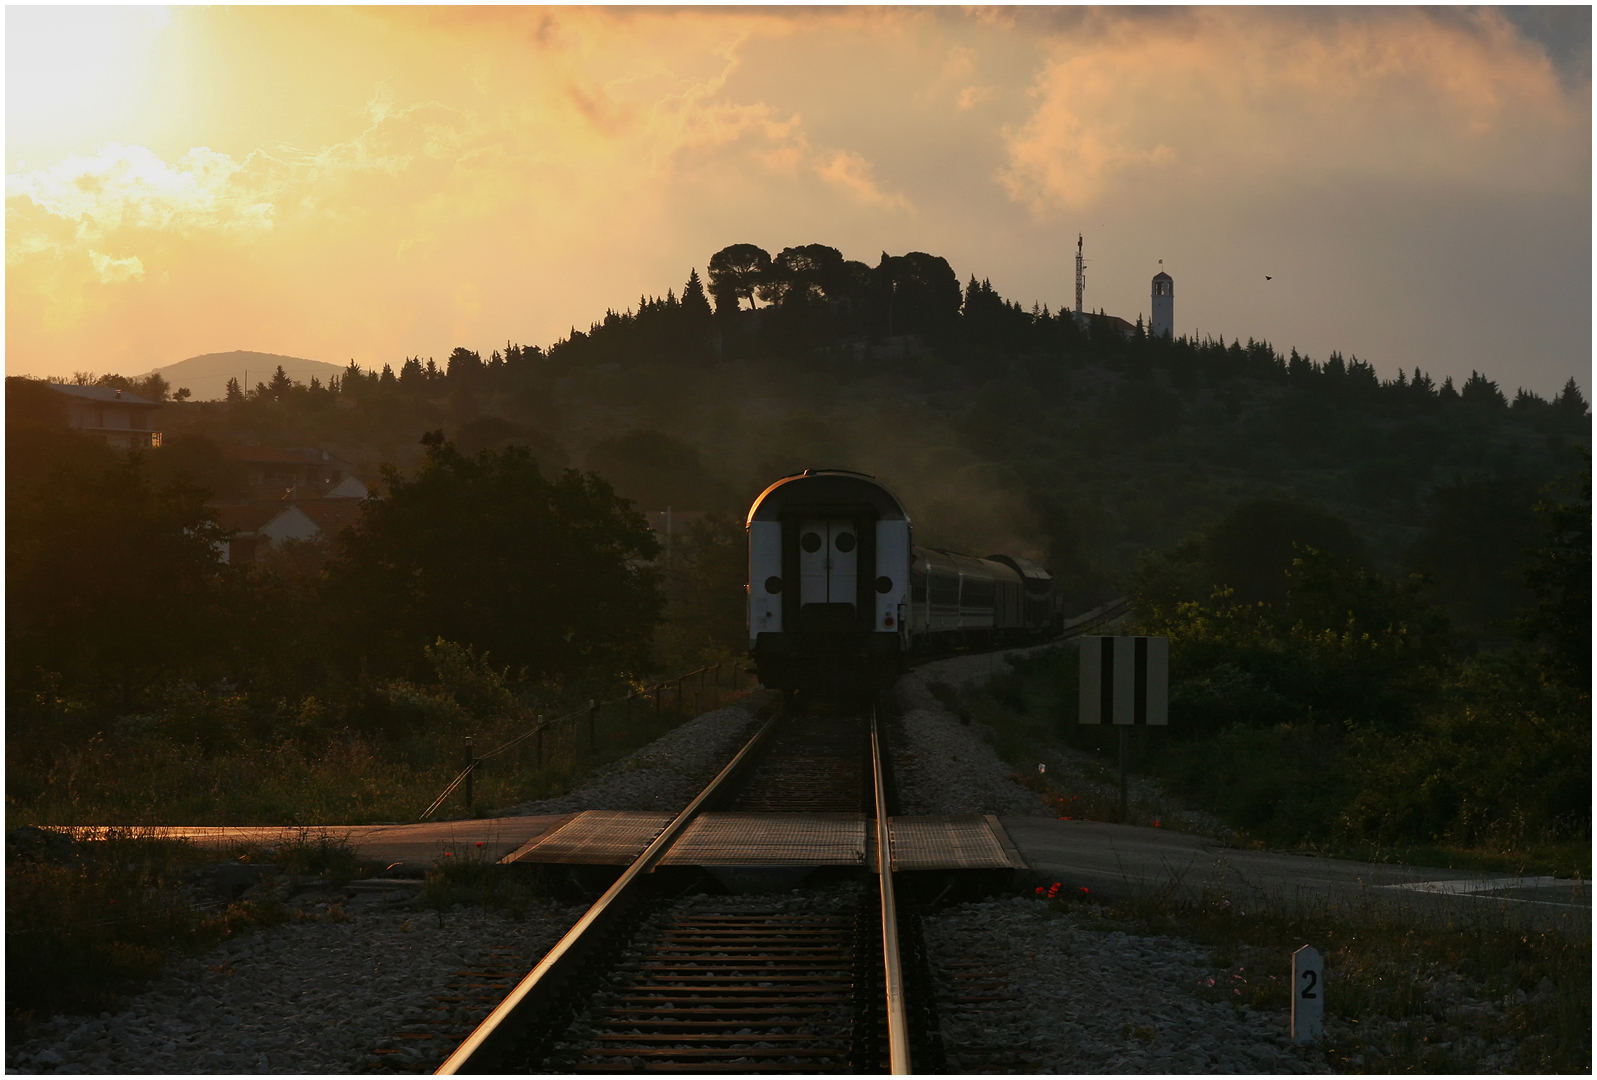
pixel 111 578
pixel 483 551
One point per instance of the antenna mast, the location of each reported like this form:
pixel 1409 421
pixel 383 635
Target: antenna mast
pixel 1081 274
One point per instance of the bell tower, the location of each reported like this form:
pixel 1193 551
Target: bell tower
pixel 1162 320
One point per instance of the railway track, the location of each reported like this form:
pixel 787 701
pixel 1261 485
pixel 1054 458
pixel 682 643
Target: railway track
pixel 808 981
pixel 802 981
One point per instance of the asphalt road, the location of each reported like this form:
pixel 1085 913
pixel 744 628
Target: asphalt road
pixel 401 847
pixel 1127 860
pixel 1111 861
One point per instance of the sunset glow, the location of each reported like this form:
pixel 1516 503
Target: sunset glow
pixel 370 183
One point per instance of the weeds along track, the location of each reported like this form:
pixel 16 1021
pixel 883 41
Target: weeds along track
pixel 673 972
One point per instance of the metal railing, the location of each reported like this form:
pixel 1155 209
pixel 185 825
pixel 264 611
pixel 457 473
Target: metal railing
pixel 595 733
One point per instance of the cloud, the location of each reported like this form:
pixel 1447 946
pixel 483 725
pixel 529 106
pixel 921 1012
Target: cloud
pixel 972 96
pixel 852 173
pixel 114 270
pixel 130 187
pixel 1247 97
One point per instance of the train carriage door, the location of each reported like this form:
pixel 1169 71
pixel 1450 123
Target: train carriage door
pixel 829 565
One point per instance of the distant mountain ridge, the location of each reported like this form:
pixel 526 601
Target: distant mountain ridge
pixel 207 375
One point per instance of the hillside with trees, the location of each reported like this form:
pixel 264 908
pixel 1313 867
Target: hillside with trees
pixel 1186 472
pixel 1003 428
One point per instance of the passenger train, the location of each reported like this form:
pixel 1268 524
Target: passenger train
pixel 840 598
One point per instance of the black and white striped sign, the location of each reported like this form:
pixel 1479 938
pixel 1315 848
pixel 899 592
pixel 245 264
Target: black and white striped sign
pixel 1125 680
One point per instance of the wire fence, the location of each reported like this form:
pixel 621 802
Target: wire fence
pixel 603 730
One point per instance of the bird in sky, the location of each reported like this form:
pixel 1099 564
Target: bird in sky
pixel 1266 277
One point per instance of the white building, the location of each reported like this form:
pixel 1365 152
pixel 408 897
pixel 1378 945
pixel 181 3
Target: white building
pixel 1162 319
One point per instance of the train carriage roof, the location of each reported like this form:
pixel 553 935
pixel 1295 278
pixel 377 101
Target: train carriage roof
pixel 825 491
pixel 936 560
pixel 1036 577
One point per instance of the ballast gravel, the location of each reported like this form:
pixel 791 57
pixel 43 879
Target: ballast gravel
pixel 304 997
pixel 944 766
pixel 666 774
pixel 1076 999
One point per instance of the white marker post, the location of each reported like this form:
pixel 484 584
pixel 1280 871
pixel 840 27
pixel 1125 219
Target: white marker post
pixel 1308 995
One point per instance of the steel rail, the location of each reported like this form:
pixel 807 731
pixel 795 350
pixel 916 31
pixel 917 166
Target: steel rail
pixel 495 1033
pixel 892 970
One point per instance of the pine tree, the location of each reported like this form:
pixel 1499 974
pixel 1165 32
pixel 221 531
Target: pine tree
pixel 1569 401
pixel 235 393
pixel 280 385
pixel 695 305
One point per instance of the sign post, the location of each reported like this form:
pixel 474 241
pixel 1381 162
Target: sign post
pixel 1308 995
pixel 1125 681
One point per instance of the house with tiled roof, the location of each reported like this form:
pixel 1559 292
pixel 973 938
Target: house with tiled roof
pixel 120 417
pixel 257 526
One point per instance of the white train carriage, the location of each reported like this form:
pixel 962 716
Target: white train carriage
pixel 839 596
pixel 828 581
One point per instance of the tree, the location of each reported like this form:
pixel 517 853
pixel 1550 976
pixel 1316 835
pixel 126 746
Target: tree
pixel 1252 549
pixel 922 292
pixel 464 365
pixel 658 470
pixel 153 387
pixel 280 385
pixel 695 306
pixel 736 272
pixel 1559 577
pixel 111 580
pixel 706 603
pixel 1481 392
pixel 483 551
pixel 1472 548
pixel 235 393
pixel 804 274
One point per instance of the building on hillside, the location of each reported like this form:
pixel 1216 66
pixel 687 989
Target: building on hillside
pixel 275 473
pixel 120 417
pixel 257 526
pixel 1162 315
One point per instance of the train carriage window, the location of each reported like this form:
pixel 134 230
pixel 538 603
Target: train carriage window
pixel 810 542
pixel 845 542
pixel 884 584
pixel 943 588
pixel 980 592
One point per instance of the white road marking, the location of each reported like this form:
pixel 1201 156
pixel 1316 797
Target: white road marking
pixel 1476 886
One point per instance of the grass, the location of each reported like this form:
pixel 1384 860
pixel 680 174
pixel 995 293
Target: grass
pixel 137 773
pixel 87 920
pixel 1402 994
pixel 1252 779
pixel 473 878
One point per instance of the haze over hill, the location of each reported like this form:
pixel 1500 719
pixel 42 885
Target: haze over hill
pixel 207 375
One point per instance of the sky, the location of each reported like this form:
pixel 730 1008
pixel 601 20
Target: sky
pixel 1411 186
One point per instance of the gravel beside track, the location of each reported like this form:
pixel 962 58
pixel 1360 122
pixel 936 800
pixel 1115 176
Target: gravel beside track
pixel 666 774
pixel 944 766
pixel 1081 1000
pixel 305 997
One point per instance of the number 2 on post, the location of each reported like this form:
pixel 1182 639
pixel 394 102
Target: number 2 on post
pixel 1308 991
